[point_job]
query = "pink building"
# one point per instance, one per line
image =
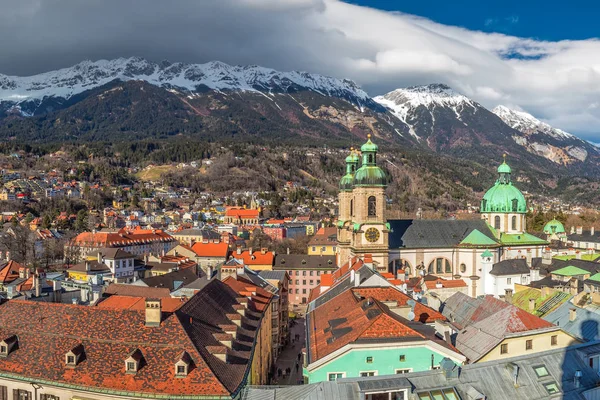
(304, 272)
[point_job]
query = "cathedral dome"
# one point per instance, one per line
(368, 175)
(347, 182)
(369, 146)
(554, 226)
(503, 197)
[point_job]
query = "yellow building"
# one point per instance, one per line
(324, 243)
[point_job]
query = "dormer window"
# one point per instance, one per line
(8, 345)
(182, 366)
(74, 356)
(133, 362)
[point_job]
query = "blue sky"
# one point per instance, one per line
(544, 20)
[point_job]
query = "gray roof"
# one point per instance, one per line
(587, 321)
(510, 267)
(176, 279)
(429, 233)
(493, 379)
(115, 253)
(205, 233)
(304, 261)
(273, 275)
(585, 236)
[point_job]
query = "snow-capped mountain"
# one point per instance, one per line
(540, 138)
(444, 119)
(27, 94)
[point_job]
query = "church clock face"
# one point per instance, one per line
(372, 234)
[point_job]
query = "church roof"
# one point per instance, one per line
(554, 226)
(430, 233)
(476, 238)
(570, 271)
(516, 239)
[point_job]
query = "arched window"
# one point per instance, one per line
(440, 266)
(370, 159)
(400, 264)
(497, 222)
(514, 222)
(515, 204)
(352, 207)
(371, 206)
(463, 268)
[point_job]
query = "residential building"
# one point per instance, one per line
(354, 336)
(139, 242)
(190, 351)
(324, 242)
(260, 260)
(305, 273)
(185, 282)
(9, 271)
(489, 329)
(569, 373)
(280, 281)
(209, 255)
(191, 236)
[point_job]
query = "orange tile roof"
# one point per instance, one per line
(123, 237)
(423, 313)
(345, 319)
(242, 213)
(10, 271)
(168, 304)
(260, 298)
(256, 258)
(137, 291)
(211, 249)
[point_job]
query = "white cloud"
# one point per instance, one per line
(555, 81)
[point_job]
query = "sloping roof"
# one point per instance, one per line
(446, 283)
(95, 267)
(211, 249)
(346, 319)
(422, 233)
(168, 304)
(9, 271)
(586, 325)
(463, 310)
(422, 312)
(520, 239)
(516, 266)
(476, 238)
(136, 291)
(492, 379)
(175, 280)
(108, 336)
(122, 238)
(241, 213)
(256, 257)
(478, 339)
(115, 254)
(570, 271)
(304, 261)
(272, 275)
(542, 305)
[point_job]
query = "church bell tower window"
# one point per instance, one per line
(372, 206)
(497, 222)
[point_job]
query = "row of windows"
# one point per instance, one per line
(21, 394)
(310, 273)
(513, 222)
(529, 344)
(314, 248)
(311, 281)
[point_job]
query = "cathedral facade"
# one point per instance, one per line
(452, 249)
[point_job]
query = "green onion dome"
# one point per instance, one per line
(554, 226)
(347, 181)
(503, 197)
(369, 174)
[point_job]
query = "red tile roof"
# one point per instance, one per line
(211, 249)
(168, 304)
(346, 319)
(241, 213)
(10, 271)
(423, 313)
(446, 284)
(108, 337)
(123, 237)
(255, 258)
(260, 298)
(136, 291)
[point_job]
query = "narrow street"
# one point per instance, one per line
(289, 357)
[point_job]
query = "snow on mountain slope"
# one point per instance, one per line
(65, 83)
(540, 138)
(402, 101)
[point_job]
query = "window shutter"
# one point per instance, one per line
(15, 394)
(3, 393)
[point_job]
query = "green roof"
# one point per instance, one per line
(487, 253)
(503, 197)
(347, 182)
(370, 175)
(504, 168)
(369, 146)
(570, 271)
(586, 257)
(543, 305)
(554, 226)
(520, 239)
(595, 277)
(477, 238)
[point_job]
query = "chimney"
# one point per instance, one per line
(572, 314)
(99, 258)
(528, 258)
(579, 230)
(578, 255)
(547, 256)
(238, 251)
(508, 295)
(531, 304)
(577, 379)
(546, 291)
(572, 230)
(288, 250)
(592, 231)
(37, 285)
(88, 266)
(153, 312)
(250, 251)
(263, 251)
(438, 284)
